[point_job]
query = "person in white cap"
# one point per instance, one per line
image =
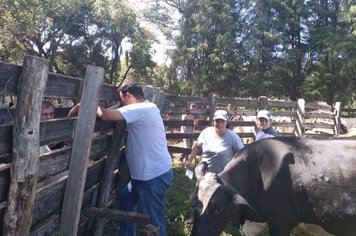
(264, 118)
(217, 144)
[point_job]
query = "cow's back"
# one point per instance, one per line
(289, 180)
(324, 182)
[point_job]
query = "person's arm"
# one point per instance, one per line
(109, 115)
(195, 151)
(74, 111)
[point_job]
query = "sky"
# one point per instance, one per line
(159, 49)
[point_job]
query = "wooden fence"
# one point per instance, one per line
(69, 190)
(289, 118)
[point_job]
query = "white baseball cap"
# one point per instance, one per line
(221, 114)
(264, 114)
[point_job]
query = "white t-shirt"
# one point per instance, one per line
(217, 152)
(146, 148)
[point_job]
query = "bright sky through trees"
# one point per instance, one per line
(160, 47)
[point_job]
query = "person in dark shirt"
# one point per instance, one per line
(264, 118)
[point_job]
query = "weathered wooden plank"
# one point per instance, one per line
(4, 181)
(9, 77)
(184, 100)
(25, 164)
(58, 86)
(63, 86)
(5, 139)
(284, 113)
(118, 215)
(241, 102)
(182, 135)
(53, 163)
(284, 124)
(309, 115)
(7, 115)
(49, 226)
(60, 112)
(318, 125)
(50, 194)
(55, 130)
(94, 174)
(108, 92)
(313, 106)
(81, 151)
(242, 112)
(282, 104)
(174, 149)
(117, 141)
(180, 111)
(242, 123)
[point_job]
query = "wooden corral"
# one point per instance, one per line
(69, 190)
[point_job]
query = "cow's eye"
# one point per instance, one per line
(214, 210)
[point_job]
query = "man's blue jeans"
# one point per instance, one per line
(151, 195)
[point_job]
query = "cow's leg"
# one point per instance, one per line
(280, 229)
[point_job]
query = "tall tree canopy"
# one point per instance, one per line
(71, 34)
(280, 48)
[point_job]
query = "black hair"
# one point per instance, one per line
(47, 104)
(132, 88)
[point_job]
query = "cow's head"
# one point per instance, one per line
(214, 205)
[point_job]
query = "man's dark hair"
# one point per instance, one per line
(47, 104)
(134, 89)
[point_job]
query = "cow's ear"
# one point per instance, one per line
(201, 170)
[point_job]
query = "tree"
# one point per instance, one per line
(39, 27)
(207, 57)
(333, 52)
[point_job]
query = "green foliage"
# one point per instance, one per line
(273, 48)
(72, 34)
(278, 48)
(178, 206)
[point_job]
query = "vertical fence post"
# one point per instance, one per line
(262, 102)
(337, 112)
(300, 117)
(213, 105)
(25, 164)
(73, 196)
(112, 159)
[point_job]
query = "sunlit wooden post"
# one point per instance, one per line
(213, 105)
(262, 103)
(337, 112)
(73, 196)
(300, 117)
(25, 154)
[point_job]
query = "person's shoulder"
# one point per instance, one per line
(207, 130)
(272, 131)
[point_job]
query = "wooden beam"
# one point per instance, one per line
(117, 141)
(25, 150)
(118, 215)
(81, 150)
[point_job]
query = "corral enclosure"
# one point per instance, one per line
(66, 188)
